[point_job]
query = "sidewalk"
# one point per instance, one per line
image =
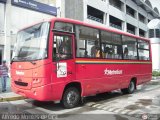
(9, 95)
(8, 84)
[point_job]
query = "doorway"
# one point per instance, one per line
(0, 57)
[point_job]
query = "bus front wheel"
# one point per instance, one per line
(71, 98)
(130, 89)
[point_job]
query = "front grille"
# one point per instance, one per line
(21, 83)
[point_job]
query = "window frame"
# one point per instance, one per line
(74, 50)
(136, 47)
(57, 33)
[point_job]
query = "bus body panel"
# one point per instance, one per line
(94, 75)
(108, 75)
(32, 80)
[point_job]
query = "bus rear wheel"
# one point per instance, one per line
(130, 89)
(71, 98)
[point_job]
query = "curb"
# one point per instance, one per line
(155, 78)
(12, 98)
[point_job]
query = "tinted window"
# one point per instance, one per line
(129, 48)
(111, 45)
(151, 33)
(66, 27)
(143, 54)
(143, 50)
(143, 44)
(62, 47)
(157, 33)
(88, 44)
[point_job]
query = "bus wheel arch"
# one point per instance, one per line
(71, 95)
(131, 87)
(134, 79)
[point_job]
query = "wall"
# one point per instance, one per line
(17, 17)
(74, 9)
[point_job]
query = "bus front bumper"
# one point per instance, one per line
(38, 93)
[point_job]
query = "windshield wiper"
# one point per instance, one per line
(24, 59)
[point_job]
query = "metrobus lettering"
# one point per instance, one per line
(112, 72)
(19, 73)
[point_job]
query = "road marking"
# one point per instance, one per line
(131, 113)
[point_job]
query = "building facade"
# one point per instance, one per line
(127, 15)
(17, 14)
(131, 16)
(154, 36)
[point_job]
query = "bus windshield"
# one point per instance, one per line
(32, 43)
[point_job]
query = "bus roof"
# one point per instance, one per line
(97, 27)
(67, 20)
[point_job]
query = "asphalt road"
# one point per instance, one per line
(143, 104)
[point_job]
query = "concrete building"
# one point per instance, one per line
(154, 35)
(127, 15)
(16, 14)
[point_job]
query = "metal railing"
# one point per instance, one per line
(116, 26)
(95, 18)
(130, 31)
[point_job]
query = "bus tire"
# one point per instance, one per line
(130, 89)
(71, 98)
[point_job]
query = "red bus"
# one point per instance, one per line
(66, 60)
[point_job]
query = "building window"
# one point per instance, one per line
(95, 14)
(141, 18)
(151, 33)
(115, 22)
(131, 29)
(130, 11)
(117, 3)
(142, 33)
(157, 33)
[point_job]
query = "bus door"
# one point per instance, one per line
(63, 54)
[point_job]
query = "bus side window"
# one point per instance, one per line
(87, 41)
(126, 53)
(62, 47)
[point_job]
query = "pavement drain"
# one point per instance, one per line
(133, 107)
(144, 102)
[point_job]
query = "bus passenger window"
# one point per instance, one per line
(126, 53)
(62, 47)
(143, 50)
(87, 42)
(95, 50)
(129, 48)
(86, 54)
